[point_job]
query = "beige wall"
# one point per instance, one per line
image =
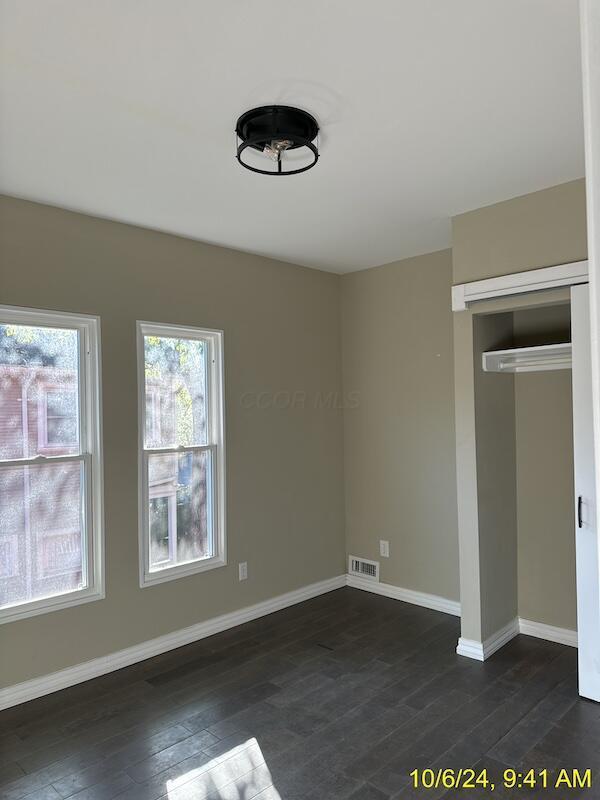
(536, 230)
(544, 457)
(496, 476)
(394, 318)
(284, 465)
(399, 437)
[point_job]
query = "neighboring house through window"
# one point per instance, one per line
(50, 462)
(57, 416)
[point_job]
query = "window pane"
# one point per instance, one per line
(179, 497)
(41, 531)
(39, 403)
(61, 417)
(175, 377)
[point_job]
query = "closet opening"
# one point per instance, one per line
(524, 419)
(526, 477)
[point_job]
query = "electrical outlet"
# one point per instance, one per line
(243, 570)
(384, 548)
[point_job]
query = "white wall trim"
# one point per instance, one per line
(533, 280)
(590, 51)
(470, 648)
(548, 632)
(37, 687)
(481, 651)
(432, 601)
(589, 13)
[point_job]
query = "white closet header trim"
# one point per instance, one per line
(534, 280)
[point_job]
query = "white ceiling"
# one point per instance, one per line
(126, 109)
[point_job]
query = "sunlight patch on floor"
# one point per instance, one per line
(241, 773)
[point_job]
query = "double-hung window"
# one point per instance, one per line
(50, 462)
(182, 459)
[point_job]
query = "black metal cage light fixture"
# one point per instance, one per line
(275, 132)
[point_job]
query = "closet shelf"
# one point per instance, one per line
(528, 359)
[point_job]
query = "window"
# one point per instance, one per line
(50, 462)
(182, 460)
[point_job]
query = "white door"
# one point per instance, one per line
(586, 539)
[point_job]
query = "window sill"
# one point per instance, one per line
(181, 571)
(48, 604)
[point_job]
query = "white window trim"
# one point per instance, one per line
(90, 400)
(215, 380)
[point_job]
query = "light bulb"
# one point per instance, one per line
(276, 148)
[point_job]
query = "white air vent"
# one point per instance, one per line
(363, 568)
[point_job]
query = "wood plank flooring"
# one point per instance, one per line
(338, 697)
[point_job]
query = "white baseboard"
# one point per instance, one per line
(433, 601)
(37, 687)
(480, 651)
(548, 632)
(470, 648)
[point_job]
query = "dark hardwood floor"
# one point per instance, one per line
(339, 697)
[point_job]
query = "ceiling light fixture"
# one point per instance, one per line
(274, 131)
